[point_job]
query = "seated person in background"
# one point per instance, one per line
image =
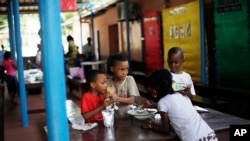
(176, 110)
(125, 86)
(182, 81)
(93, 101)
(80, 58)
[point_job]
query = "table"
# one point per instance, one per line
(33, 78)
(76, 86)
(124, 130)
(130, 130)
(94, 64)
(220, 122)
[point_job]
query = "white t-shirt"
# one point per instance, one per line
(185, 120)
(183, 80)
(128, 88)
(38, 57)
(88, 50)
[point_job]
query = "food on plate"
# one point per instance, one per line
(151, 110)
(140, 111)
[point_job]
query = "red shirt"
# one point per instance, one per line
(89, 102)
(8, 65)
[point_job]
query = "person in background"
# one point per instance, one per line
(2, 54)
(176, 111)
(10, 76)
(125, 86)
(182, 81)
(2, 74)
(93, 101)
(72, 53)
(38, 56)
(88, 50)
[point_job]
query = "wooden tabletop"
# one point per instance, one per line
(130, 129)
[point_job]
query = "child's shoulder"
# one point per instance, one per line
(87, 94)
(183, 73)
(130, 77)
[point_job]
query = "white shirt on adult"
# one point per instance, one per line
(186, 121)
(38, 57)
(88, 50)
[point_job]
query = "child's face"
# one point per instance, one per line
(101, 83)
(120, 70)
(174, 62)
(152, 91)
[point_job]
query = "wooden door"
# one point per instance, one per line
(113, 39)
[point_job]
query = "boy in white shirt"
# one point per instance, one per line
(182, 81)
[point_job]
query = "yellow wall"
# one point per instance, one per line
(181, 27)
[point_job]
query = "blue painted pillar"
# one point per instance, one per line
(53, 69)
(127, 30)
(20, 64)
(11, 29)
(203, 44)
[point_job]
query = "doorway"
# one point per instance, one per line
(113, 39)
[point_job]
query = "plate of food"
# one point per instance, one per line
(142, 114)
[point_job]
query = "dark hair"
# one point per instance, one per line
(161, 80)
(175, 50)
(70, 38)
(114, 58)
(92, 75)
(7, 55)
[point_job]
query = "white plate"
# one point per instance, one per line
(142, 115)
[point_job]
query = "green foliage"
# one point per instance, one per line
(3, 21)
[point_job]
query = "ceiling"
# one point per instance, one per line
(31, 6)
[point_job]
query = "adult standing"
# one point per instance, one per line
(72, 53)
(88, 50)
(2, 54)
(38, 56)
(2, 74)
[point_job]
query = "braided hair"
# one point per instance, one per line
(161, 81)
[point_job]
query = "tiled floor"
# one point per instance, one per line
(13, 129)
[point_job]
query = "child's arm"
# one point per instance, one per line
(164, 127)
(187, 92)
(122, 99)
(93, 112)
(148, 104)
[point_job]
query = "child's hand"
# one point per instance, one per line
(147, 125)
(148, 104)
(115, 98)
(107, 102)
(186, 91)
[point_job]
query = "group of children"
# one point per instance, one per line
(172, 89)
(97, 98)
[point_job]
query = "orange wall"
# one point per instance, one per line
(101, 23)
